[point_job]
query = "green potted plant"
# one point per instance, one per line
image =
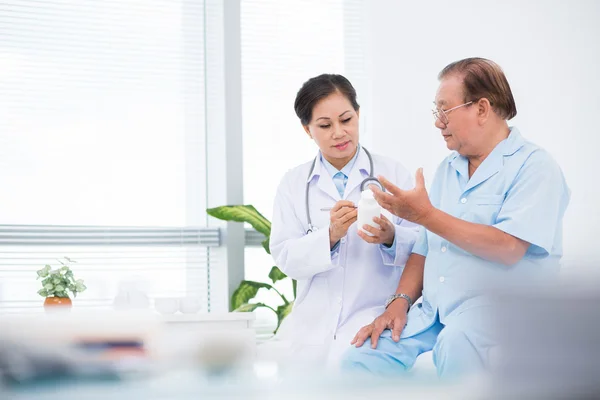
(247, 290)
(58, 283)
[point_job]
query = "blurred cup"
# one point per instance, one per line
(166, 305)
(189, 305)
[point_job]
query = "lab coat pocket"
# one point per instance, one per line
(311, 311)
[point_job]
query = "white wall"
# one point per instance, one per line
(550, 52)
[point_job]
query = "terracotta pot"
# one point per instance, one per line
(58, 302)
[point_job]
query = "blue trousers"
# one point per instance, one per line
(460, 347)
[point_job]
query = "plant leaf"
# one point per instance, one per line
(265, 245)
(42, 273)
(276, 274)
(282, 312)
(249, 307)
(294, 284)
(245, 292)
(242, 213)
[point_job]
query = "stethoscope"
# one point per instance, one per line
(370, 178)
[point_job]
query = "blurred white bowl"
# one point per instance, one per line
(190, 305)
(166, 305)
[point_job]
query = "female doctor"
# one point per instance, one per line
(344, 275)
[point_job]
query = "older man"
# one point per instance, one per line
(493, 218)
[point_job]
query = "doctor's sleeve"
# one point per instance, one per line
(298, 254)
(535, 204)
(404, 240)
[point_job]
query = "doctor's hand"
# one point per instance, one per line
(394, 318)
(384, 235)
(411, 205)
(342, 215)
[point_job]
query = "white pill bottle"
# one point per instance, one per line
(368, 208)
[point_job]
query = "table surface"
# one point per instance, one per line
(195, 384)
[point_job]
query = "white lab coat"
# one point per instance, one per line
(340, 292)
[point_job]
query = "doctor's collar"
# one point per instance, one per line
(359, 160)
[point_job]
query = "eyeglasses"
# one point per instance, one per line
(442, 115)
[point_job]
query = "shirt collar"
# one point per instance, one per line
(513, 142)
(330, 168)
(507, 147)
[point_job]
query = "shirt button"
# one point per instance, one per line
(442, 279)
(339, 300)
(444, 249)
(343, 240)
(463, 200)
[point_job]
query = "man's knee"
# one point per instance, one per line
(380, 361)
(355, 359)
(455, 353)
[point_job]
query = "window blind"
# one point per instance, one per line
(102, 140)
(157, 262)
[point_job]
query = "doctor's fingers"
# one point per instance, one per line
(383, 222)
(340, 204)
(341, 212)
(369, 239)
(348, 218)
(383, 218)
(372, 230)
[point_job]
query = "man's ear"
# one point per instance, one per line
(484, 109)
(307, 130)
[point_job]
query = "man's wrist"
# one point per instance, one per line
(406, 299)
(427, 217)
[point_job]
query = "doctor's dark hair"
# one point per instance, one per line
(484, 79)
(319, 87)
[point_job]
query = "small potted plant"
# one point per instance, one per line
(57, 283)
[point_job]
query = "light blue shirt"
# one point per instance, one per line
(340, 179)
(519, 189)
